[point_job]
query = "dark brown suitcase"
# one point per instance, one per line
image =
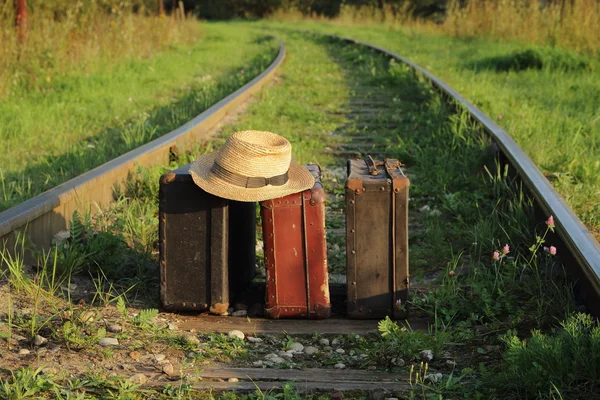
(376, 238)
(296, 254)
(206, 245)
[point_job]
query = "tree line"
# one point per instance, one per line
(225, 9)
(220, 9)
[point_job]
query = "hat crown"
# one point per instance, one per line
(255, 154)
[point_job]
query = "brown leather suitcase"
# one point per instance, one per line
(376, 239)
(296, 254)
(206, 245)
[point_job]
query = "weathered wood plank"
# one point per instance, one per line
(298, 375)
(303, 387)
(357, 145)
(212, 323)
(333, 326)
(359, 125)
(372, 152)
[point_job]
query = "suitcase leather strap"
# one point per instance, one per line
(371, 165)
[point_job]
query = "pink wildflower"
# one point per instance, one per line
(551, 250)
(451, 273)
(398, 304)
(506, 249)
(496, 256)
(550, 222)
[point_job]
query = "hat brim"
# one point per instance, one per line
(299, 179)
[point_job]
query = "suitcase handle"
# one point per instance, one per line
(371, 165)
(392, 165)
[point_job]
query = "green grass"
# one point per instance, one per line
(547, 99)
(77, 121)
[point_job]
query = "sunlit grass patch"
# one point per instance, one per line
(88, 119)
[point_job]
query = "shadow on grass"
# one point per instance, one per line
(533, 58)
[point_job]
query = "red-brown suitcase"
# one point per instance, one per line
(376, 238)
(296, 254)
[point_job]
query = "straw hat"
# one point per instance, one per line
(251, 166)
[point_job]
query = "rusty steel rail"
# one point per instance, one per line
(50, 212)
(578, 240)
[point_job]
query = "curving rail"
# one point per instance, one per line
(578, 240)
(46, 214)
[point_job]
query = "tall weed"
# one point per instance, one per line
(79, 40)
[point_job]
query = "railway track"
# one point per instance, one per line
(370, 130)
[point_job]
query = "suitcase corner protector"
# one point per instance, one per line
(219, 308)
(167, 178)
(355, 185)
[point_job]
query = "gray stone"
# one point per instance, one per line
(49, 371)
(114, 328)
(435, 213)
(434, 378)
(237, 334)
(168, 368)
(24, 352)
(87, 316)
(254, 339)
(327, 348)
(310, 350)
(19, 338)
(54, 347)
(239, 313)
(129, 367)
(274, 358)
(39, 340)
(171, 326)
(233, 380)
(372, 367)
(107, 341)
(379, 394)
(324, 342)
(340, 351)
(285, 354)
(398, 362)
(426, 355)
(425, 208)
(191, 339)
(138, 379)
(258, 363)
(298, 347)
(335, 342)
(159, 357)
(392, 398)
(339, 366)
